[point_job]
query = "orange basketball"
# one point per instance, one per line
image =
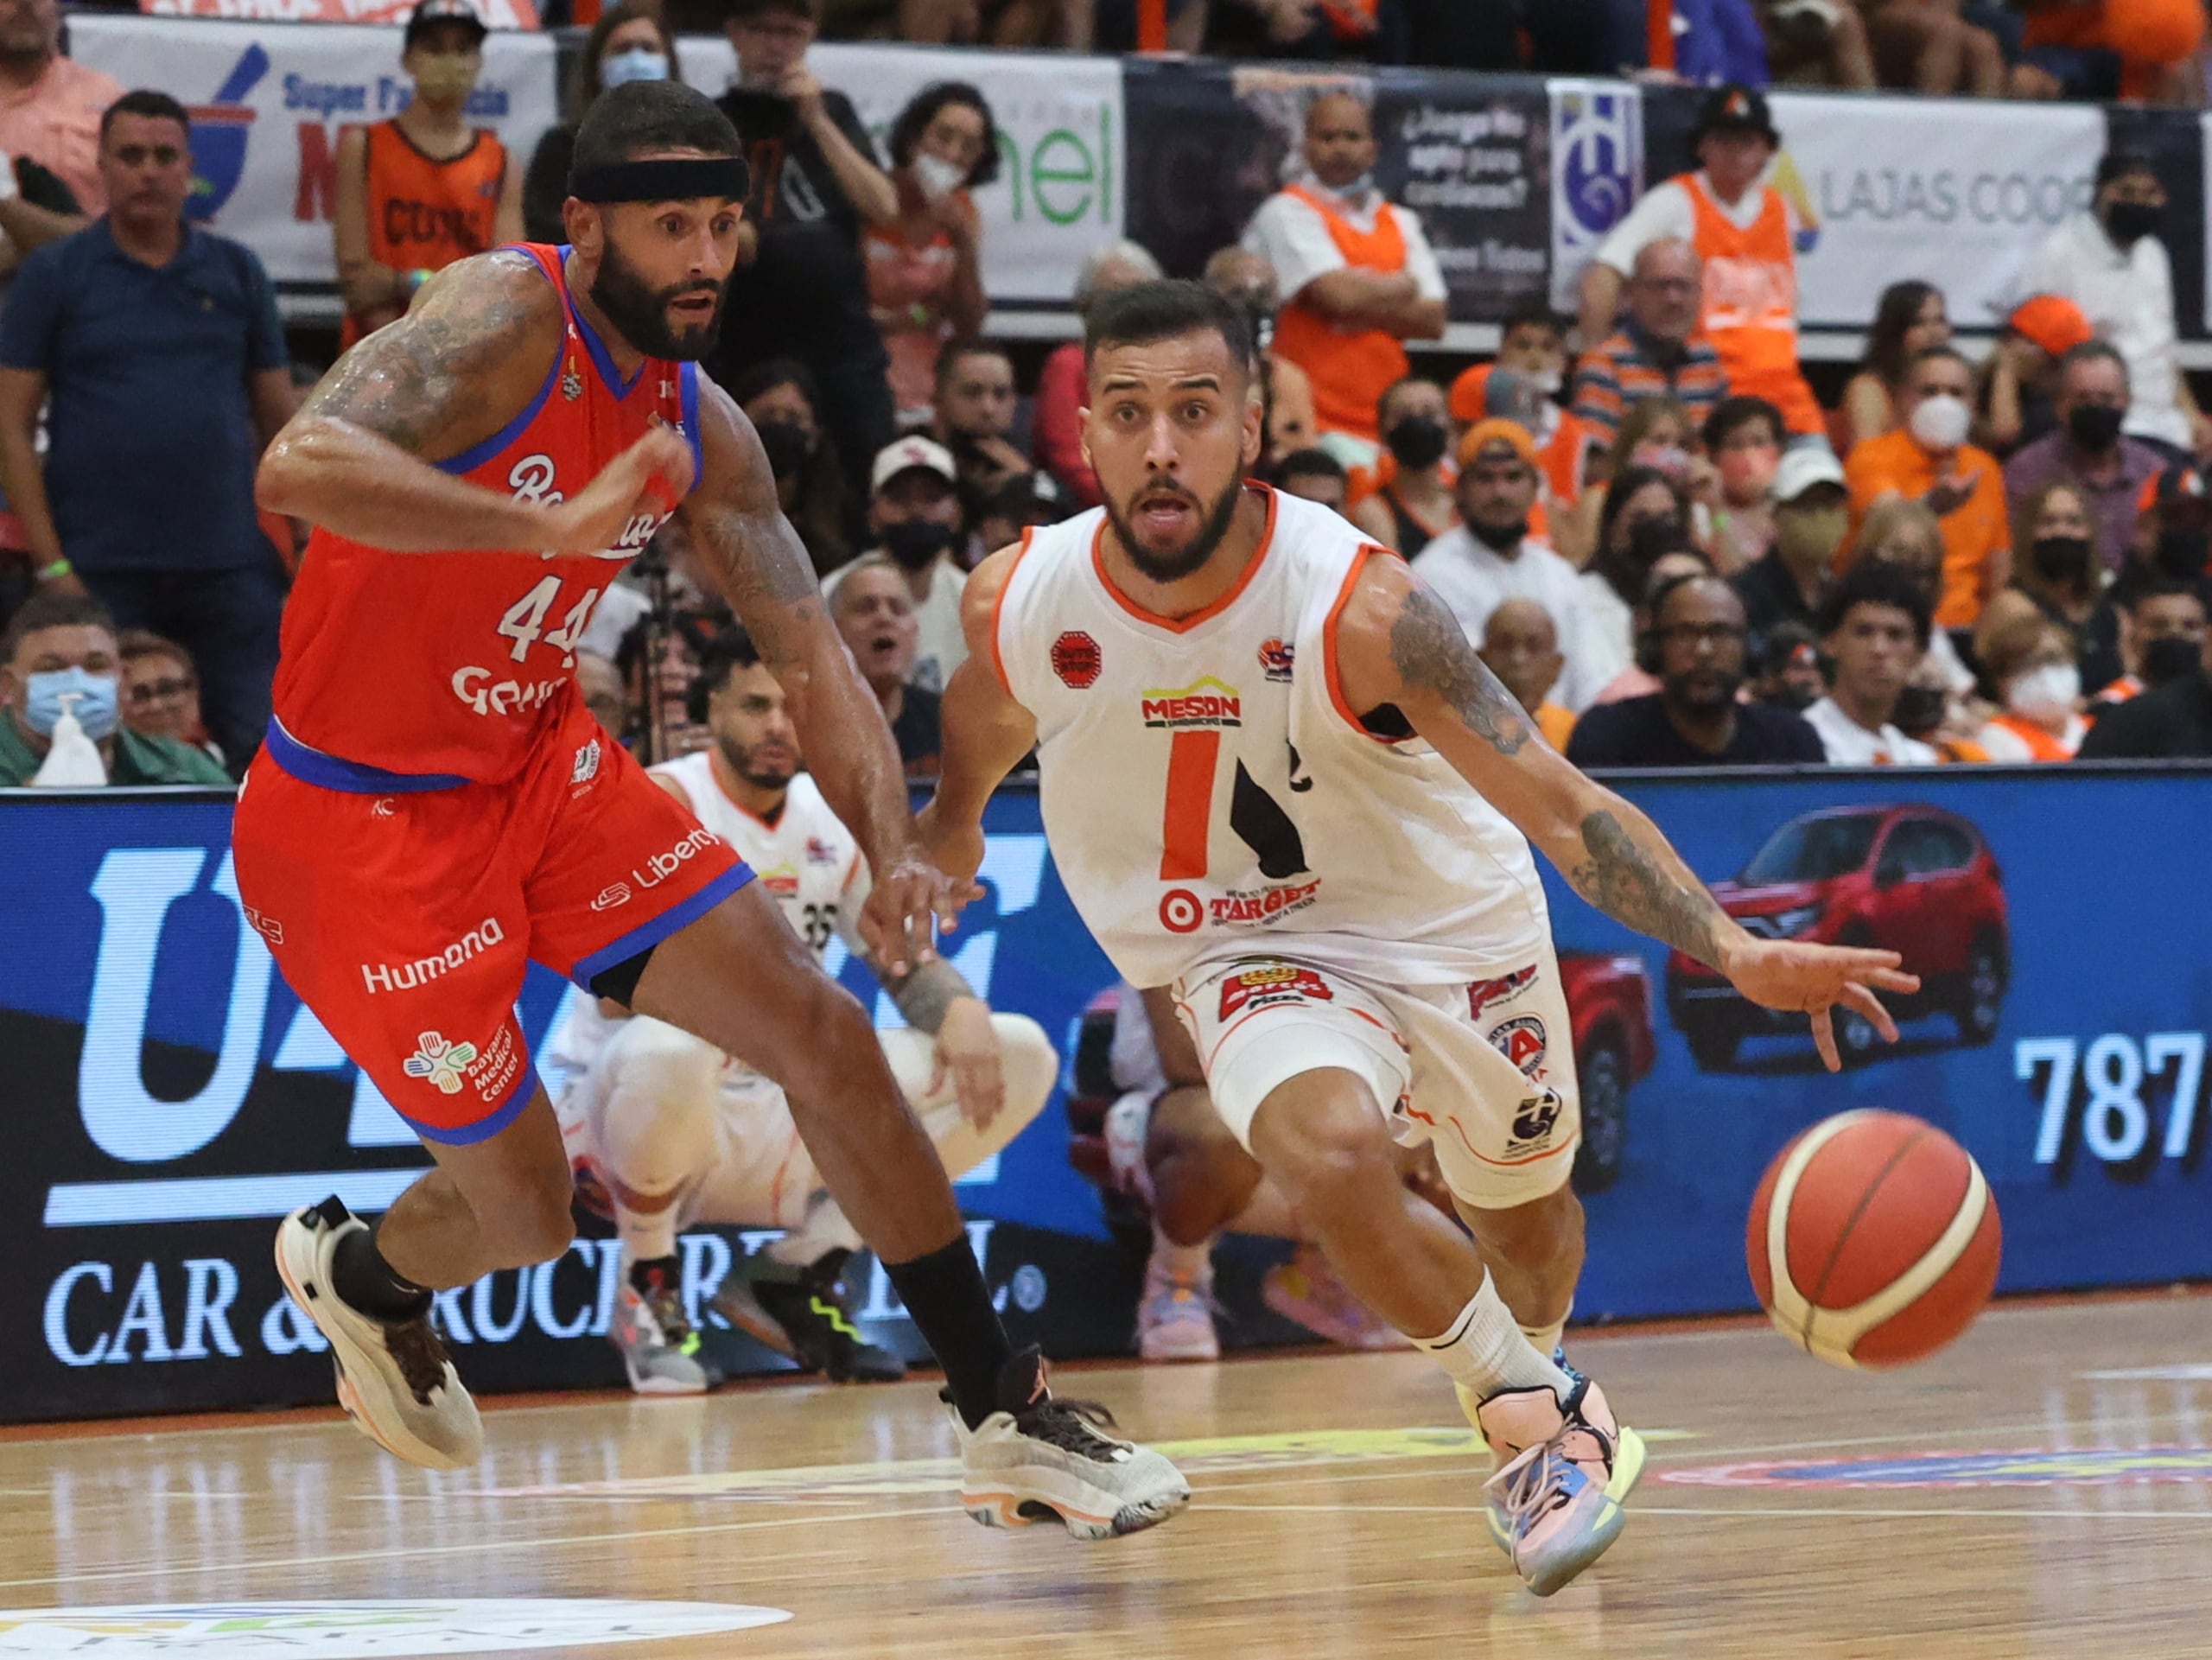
(1873, 1240)
(2154, 31)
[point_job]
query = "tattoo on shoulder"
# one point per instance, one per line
(1620, 878)
(414, 379)
(1430, 652)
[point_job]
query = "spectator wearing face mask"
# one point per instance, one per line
(424, 188)
(873, 607)
(1645, 515)
(2088, 449)
(1316, 475)
(1908, 318)
(629, 42)
(1930, 460)
(60, 652)
(1789, 669)
(1693, 645)
(1874, 626)
(160, 691)
(1743, 440)
(2111, 262)
(2015, 387)
(1412, 502)
(781, 400)
(926, 271)
(1520, 645)
(2162, 630)
(1489, 557)
(1531, 388)
(2031, 661)
(1056, 417)
(1811, 519)
(914, 511)
(2059, 577)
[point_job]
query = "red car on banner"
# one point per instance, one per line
(1914, 879)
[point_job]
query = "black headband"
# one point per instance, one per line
(676, 179)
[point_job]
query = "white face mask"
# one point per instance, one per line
(938, 177)
(1941, 422)
(633, 63)
(2046, 694)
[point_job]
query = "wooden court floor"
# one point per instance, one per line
(2044, 1490)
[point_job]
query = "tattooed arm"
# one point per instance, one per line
(1398, 645)
(749, 548)
(361, 456)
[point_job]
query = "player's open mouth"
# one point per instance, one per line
(693, 308)
(1164, 513)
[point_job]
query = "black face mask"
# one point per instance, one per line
(2170, 657)
(1418, 442)
(913, 545)
(1501, 538)
(2182, 554)
(1791, 695)
(789, 445)
(2095, 427)
(1919, 710)
(2062, 559)
(1650, 540)
(2128, 222)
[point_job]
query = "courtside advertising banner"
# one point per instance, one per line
(268, 102)
(1062, 185)
(499, 14)
(1597, 166)
(169, 1099)
(1954, 193)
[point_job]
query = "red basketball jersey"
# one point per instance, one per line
(447, 667)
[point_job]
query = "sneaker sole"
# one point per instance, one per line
(649, 1384)
(1006, 1509)
(1193, 1348)
(1558, 1572)
(418, 1453)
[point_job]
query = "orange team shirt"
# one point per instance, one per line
(1975, 532)
(1350, 369)
(425, 213)
(1750, 302)
(454, 664)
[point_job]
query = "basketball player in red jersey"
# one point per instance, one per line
(1275, 777)
(433, 806)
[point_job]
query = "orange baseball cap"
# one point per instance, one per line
(2051, 322)
(1470, 394)
(1486, 435)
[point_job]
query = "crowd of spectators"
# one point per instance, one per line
(1668, 548)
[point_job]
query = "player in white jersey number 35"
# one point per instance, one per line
(1277, 779)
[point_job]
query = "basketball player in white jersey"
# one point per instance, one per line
(1277, 779)
(665, 1130)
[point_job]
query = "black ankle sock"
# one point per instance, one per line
(943, 1292)
(365, 1280)
(647, 1270)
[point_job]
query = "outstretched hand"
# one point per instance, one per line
(911, 897)
(1814, 979)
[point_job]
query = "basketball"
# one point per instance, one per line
(1873, 1240)
(2154, 31)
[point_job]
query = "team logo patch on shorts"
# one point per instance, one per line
(1283, 983)
(439, 1063)
(1522, 1042)
(1077, 660)
(1503, 989)
(1533, 1124)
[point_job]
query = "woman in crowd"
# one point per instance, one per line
(1743, 439)
(1908, 318)
(1414, 504)
(1645, 517)
(925, 272)
(629, 42)
(2031, 662)
(160, 691)
(1656, 435)
(2056, 575)
(1900, 532)
(780, 399)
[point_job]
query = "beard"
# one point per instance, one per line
(773, 775)
(639, 311)
(1172, 564)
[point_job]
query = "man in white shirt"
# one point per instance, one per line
(1357, 274)
(1489, 557)
(914, 511)
(1874, 625)
(2110, 261)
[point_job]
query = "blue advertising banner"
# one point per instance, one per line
(170, 1098)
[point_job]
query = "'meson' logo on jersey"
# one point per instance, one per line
(1208, 703)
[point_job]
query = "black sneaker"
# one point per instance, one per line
(809, 1317)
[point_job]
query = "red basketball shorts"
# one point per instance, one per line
(403, 910)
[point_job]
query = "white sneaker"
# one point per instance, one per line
(396, 1380)
(1038, 1459)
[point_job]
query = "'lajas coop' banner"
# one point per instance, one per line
(167, 1097)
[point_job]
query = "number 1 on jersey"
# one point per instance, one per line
(1188, 827)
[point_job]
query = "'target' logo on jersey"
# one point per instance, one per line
(1210, 703)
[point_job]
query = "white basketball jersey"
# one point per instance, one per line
(807, 859)
(1205, 788)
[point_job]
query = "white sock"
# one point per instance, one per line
(1486, 1352)
(1184, 1262)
